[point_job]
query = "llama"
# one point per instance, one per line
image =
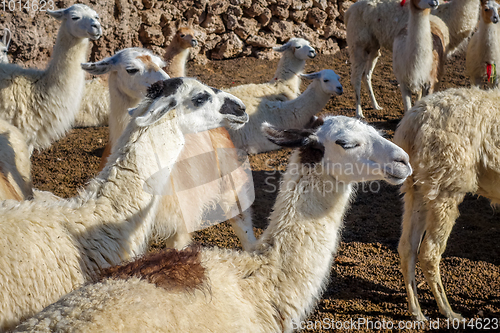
(46, 101)
(452, 140)
(177, 52)
(4, 46)
(374, 24)
(15, 164)
(295, 113)
(270, 289)
(418, 52)
(96, 104)
(483, 52)
(131, 72)
(52, 247)
(285, 85)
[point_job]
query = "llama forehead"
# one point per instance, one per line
(185, 31)
(345, 128)
(149, 62)
(81, 9)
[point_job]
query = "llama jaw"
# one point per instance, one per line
(237, 122)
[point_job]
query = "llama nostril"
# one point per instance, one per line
(312, 54)
(231, 107)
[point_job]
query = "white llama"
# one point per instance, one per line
(418, 52)
(452, 140)
(483, 52)
(270, 289)
(52, 247)
(43, 103)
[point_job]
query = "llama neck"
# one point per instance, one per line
(176, 57)
(64, 75)
(301, 239)
(119, 103)
(289, 68)
(487, 33)
(117, 209)
(297, 112)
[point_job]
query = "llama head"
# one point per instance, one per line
(198, 107)
(346, 148)
(80, 21)
(135, 70)
(185, 35)
(299, 47)
(4, 46)
(425, 4)
(328, 80)
(489, 11)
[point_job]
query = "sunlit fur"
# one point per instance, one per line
(43, 103)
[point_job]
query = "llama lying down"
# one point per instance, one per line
(267, 290)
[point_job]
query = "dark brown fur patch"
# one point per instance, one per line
(164, 88)
(312, 153)
(168, 269)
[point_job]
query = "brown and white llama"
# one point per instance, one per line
(177, 52)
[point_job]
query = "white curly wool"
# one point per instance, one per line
(43, 103)
(270, 289)
(452, 138)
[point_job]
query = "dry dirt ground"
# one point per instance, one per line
(365, 282)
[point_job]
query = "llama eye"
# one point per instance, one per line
(182, 35)
(297, 47)
(347, 145)
(132, 71)
(200, 99)
(326, 80)
(75, 18)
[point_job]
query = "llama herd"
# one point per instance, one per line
(82, 264)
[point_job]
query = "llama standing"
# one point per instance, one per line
(43, 103)
(452, 138)
(483, 52)
(269, 290)
(4, 46)
(418, 52)
(374, 24)
(177, 52)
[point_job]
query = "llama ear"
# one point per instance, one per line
(311, 76)
(283, 47)
(98, 68)
(288, 138)
(190, 22)
(159, 108)
(6, 37)
(57, 14)
(178, 24)
(315, 122)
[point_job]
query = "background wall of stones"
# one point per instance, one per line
(227, 28)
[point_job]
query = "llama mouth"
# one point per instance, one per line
(95, 36)
(394, 179)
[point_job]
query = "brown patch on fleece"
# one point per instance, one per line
(168, 269)
(148, 62)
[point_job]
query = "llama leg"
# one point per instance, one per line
(441, 217)
(243, 228)
(411, 236)
(104, 157)
(180, 239)
(370, 64)
(406, 93)
(358, 61)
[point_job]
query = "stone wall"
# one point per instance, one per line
(228, 28)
